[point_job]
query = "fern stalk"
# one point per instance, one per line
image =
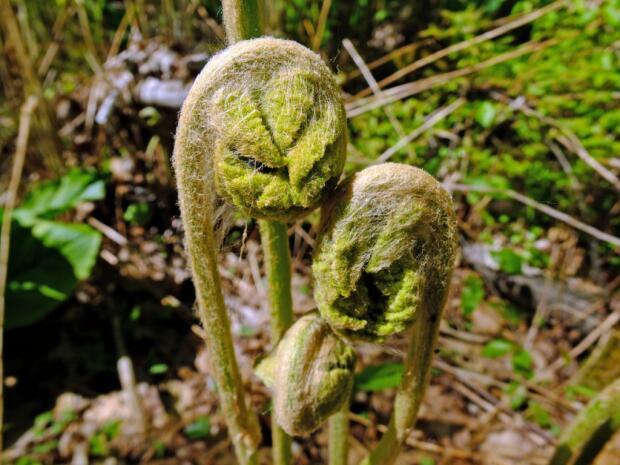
(243, 20)
(274, 239)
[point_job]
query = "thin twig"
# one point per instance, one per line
(409, 89)
(5, 236)
(571, 142)
(568, 138)
(421, 445)
(430, 121)
(409, 48)
(108, 231)
(606, 325)
(370, 79)
(493, 33)
(552, 212)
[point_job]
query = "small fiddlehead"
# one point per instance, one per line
(386, 248)
(274, 125)
(310, 373)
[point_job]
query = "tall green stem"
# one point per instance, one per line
(418, 363)
(338, 447)
(274, 238)
(243, 20)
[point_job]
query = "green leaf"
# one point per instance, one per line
(379, 377)
(497, 348)
(99, 445)
(508, 260)
(485, 114)
(579, 390)
(518, 395)
(78, 243)
(199, 429)
(472, 294)
(138, 213)
(45, 264)
(39, 279)
(427, 461)
(158, 369)
(160, 449)
(52, 198)
(27, 461)
(539, 415)
(48, 258)
(111, 429)
(522, 363)
(45, 447)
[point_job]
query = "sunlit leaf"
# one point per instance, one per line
(379, 377)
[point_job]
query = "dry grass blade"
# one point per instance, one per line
(606, 325)
(568, 138)
(429, 122)
(46, 138)
(501, 30)
(572, 143)
(409, 48)
(546, 209)
(361, 64)
(317, 38)
(394, 94)
(5, 237)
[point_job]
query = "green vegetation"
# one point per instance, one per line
(48, 257)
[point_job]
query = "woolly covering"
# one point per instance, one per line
(310, 373)
(272, 125)
(386, 246)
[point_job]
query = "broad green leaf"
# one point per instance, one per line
(472, 295)
(496, 348)
(51, 198)
(199, 429)
(508, 260)
(522, 363)
(78, 243)
(485, 114)
(39, 279)
(379, 377)
(48, 258)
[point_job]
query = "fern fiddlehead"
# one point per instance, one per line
(383, 263)
(278, 128)
(310, 373)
